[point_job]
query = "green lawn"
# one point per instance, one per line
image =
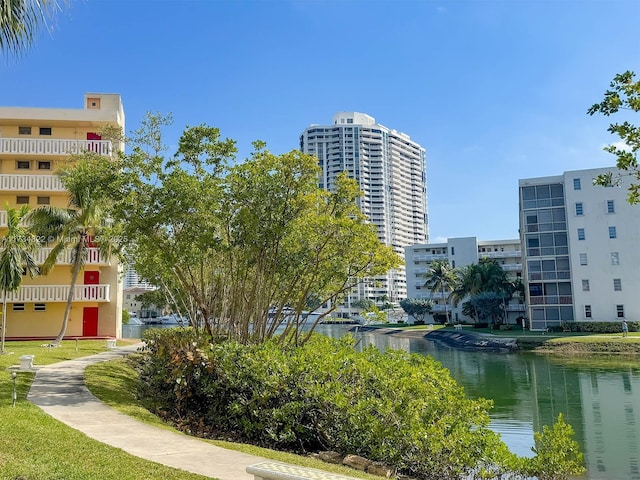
(34, 446)
(114, 383)
(633, 337)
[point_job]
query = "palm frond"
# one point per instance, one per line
(20, 21)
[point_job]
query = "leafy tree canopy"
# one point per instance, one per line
(623, 94)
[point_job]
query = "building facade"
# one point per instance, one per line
(580, 249)
(390, 169)
(34, 144)
(460, 252)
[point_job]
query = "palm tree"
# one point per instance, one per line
(20, 21)
(74, 228)
(440, 278)
(18, 248)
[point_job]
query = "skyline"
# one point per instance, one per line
(494, 91)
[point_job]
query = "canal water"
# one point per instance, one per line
(599, 397)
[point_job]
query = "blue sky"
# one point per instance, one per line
(494, 90)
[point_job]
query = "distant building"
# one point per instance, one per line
(133, 304)
(580, 249)
(460, 252)
(390, 169)
(133, 280)
(34, 144)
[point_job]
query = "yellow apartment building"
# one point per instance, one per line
(34, 143)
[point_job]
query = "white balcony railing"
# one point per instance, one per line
(430, 257)
(59, 293)
(503, 254)
(39, 146)
(65, 257)
(25, 183)
(511, 267)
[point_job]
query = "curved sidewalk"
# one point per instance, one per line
(60, 391)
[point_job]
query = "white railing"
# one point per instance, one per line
(40, 183)
(38, 146)
(510, 267)
(430, 257)
(59, 293)
(503, 254)
(65, 257)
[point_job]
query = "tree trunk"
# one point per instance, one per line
(4, 320)
(74, 279)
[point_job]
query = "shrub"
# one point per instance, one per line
(402, 409)
(599, 327)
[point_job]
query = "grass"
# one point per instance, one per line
(34, 446)
(633, 337)
(114, 383)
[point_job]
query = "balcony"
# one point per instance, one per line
(58, 147)
(512, 267)
(503, 254)
(30, 183)
(430, 258)
(59, 293)
(551, 300)
(93, 257)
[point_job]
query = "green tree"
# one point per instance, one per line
(487, 276)
(240, 247)
(623, 94)
(558, 455)
(19, 246)
(20, 20)
(86, 222)
(489, 306)
(441, 278)
(417, 308)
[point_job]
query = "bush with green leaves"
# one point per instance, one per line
(597, 327)
(401, 409)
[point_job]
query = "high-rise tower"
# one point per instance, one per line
(391, 171)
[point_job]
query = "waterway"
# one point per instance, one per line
(599, 397)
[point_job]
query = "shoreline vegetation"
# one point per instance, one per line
(538, 342)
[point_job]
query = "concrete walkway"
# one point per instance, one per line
(60, 391)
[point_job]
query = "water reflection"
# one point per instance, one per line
(602, 403)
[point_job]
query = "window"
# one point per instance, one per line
(581, 234)
(453, 251)
(44, 165)
(43, 200)
(22, 200)
(24, 130)
(620, 311)
(579, 209)
(611, 207)
(587, 311)
(576, 184)
(23, 165)
(45, 130)
(612, 232)
(18, 307)
(615, 259)
(585, 285)
(583, 259)
(39, 307)
(617, 285)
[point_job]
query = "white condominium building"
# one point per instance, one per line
(390, 169)
(460, 252)
(580, 249)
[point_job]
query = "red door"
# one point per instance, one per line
(93, 146)
(90, 322)
(91, 277)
